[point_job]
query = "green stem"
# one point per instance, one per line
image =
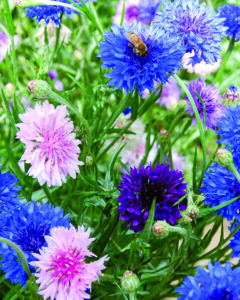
(19, 252)
(132, 296)
(225, 59)
(199, 122)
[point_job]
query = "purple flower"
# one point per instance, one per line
(139, 189)
(5, 44)
(210, 96)
(51, 147)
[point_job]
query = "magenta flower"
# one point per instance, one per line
(61, 268)
(51, 147)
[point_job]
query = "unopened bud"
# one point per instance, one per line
(232, 95)
(185, 218)
(89, 160)
(192, 211)
(224, 157)
(160, 229)
(130, 281)
(9, 87)
(164, 133)
(39, 88)
(78, 54)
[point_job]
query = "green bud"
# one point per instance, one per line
(164, 133)
(192, 211)
(160, 229)
(224, 158)
(130, 281)
(185, 218)
(9, 88)
(89, 161)
(39, 88)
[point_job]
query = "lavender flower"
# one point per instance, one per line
(143, 185)
(5, 44)
(210, 96)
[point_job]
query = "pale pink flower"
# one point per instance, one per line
(201, 68)
(61, 268)
(51, 147)
(5, 44)
(170, 94)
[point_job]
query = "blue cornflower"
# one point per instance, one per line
(126, 111)
(147, 10)
(8, 191)
(210, 96)
(218, 283)
(139, 189)
(195, 26)
(229, 129)
(220, 186)
(52, 12)
(26, 227)
(130, 69)
(231, 13)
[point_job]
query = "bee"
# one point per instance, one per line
(139, 46)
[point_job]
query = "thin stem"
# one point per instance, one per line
(20, 253)
(199, 122)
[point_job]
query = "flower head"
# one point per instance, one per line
(195, 26)
(5, 44)
(51, 147)
(130, 69)
(62, 270)
(201, 68)
(8, 191)
(139, 10)
(218, 283)
(210, 96)
(52, 12)
(220, 186)
(231, 14)
(139, 189)
(229, 129)
(27, 227)
(232, 95)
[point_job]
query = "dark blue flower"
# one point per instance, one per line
(210, 96)
(229, 129)
(8, 191)
(231, 13)
(126, 111)
(131, 69)
(218, 283)
(52, 12)
(139, 189)
(26, 226)
(220, 186)
(147, 10)
(195, 26)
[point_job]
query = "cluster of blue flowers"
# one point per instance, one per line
(26, 225)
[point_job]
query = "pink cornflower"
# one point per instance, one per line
(51, 147)
(61, 268)
(201, 68)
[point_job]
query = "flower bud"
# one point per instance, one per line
(160, 229)
(130, 281)
(39, 88)
(192, 211)
(164, 133)
(224, 158)
(232, 96)
(9, 87)
(185, 218)
(89, 161)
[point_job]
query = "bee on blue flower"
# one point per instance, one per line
(195, 26)
(139, 56)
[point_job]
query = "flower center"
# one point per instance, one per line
(66, 265)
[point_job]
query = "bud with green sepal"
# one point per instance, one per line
(225, 159)
(39, 88)
(130, 282)
(192, 210)
(161, 229)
